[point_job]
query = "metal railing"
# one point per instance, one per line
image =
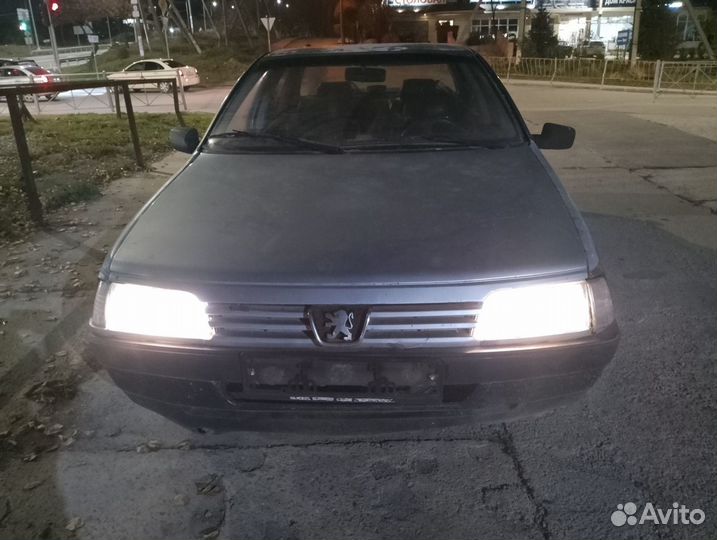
(15, 98)
(660, 76)
(99, 99)
(695, 76)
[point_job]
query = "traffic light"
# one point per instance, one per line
(55, 7)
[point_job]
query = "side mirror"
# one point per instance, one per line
(184, 139)
(555, 137)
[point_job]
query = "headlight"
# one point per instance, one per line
(150, 311)
(537, 311)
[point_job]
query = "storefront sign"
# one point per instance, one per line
(415, 3)
(623, 38)
(618, 3)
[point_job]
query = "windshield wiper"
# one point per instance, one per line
(294, 141)
(456, 141)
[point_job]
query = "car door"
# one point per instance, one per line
(154, 70)
(14, 75)
(133, 71)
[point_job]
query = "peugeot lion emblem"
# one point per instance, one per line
(339, 326)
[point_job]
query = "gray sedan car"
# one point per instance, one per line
(366, 231)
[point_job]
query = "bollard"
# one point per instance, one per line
(175, 98)
(118, 109)
(604, 70)
(657, 80)
(132, 125)
(29, 188)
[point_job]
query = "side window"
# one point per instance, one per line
(17, 73)
(152, 66)
(139, 66)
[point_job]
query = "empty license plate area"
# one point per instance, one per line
(339, 381)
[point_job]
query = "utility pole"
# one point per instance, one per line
(164, 8)
(635, 32)
(34, 26)
(144, 26)
(341, 20)
(137, 30)
(53, 39)
(521, 28)
(224, 22)
(191, 18)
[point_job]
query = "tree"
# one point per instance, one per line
(542, 42)
(658, 32)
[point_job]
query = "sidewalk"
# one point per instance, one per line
(48, 280)
(597, 86)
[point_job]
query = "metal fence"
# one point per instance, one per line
(658, 75)
(15, 98)
(99, 98)
(686, 75)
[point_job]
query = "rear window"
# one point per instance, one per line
(174, 64)
(36, 70)
(368, 101)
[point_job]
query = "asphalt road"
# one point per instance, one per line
(644, 174)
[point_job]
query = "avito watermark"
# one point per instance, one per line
(678, 514)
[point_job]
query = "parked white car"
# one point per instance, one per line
(158, 68)
(15, 74)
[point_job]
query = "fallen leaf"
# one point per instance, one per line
(209, 485)
(74, 524)
(54, 429)
(154, 445)
(32, 485)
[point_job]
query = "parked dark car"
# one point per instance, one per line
(563, 50)
(364, 230)
(591, 49)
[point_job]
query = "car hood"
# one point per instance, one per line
(356, 218)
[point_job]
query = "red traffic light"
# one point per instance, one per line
(55, 7)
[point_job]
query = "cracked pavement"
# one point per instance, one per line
(644, 432)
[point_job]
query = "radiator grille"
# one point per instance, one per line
(387, 325)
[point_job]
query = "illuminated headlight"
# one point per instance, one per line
(150, 311)
(544, 311)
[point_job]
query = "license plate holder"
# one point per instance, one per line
(343, 381)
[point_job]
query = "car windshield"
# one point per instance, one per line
(174, 64)
(360, 102)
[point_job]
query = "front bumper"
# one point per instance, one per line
(220, 388)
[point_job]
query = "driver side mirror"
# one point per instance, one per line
(555, 137)
(184, 139)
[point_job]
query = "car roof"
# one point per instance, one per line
(439, 49)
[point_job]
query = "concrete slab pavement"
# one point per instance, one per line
(645, 432)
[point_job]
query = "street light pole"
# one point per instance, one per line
(191, 18)
(224, 22)
(635, 32)
(521, 28)
(341, 20)
(53, 39)
(34, 26)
